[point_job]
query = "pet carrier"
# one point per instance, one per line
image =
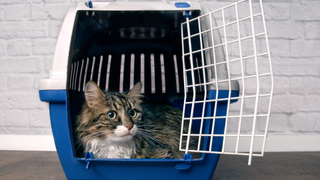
(213, 65)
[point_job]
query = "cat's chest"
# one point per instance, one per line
(106, 149)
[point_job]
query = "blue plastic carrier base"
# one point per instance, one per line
(140, 169)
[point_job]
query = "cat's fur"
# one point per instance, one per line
(153, 131)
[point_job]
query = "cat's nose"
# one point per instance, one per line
(129, 127)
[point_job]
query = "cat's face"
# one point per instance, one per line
(110, 117)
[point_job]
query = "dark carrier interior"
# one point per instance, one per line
(117, 49)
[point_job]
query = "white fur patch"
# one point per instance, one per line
(117, 145)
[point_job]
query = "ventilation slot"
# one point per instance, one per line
(157, 72)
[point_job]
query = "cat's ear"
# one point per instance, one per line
(136, 90)
(94, 96)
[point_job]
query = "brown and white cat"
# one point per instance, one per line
(127, 125)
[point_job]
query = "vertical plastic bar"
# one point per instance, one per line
(108, 72)
(121, 73)
(258, 83)
(176, 73)
(142, 72)
(80, 78)
(153, 78)
(242, 78)
(132, 58)
(92, 68)
(73, 70)
(85, 74)
(76, 76)
(78, 66)
(229, 81)
(204, 82)
(163, 73)
(99, 72)
(271, 76)
(71, 77)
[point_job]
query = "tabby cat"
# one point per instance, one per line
(127, 125)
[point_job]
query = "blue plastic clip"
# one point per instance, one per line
(88, 157)
(187, 157)
(187, 14)
(187, 162)
(90, 14)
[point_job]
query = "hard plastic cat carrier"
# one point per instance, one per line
(213, 65)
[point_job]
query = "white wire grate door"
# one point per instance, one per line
(228, 81)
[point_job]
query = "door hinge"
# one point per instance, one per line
(88, 158)
(186, 164)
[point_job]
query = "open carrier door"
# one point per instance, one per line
(228, 81)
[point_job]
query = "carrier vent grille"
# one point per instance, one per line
(158, 73)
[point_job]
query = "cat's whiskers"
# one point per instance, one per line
(139, 137)
(150, 138)
(147, 130)
(150, 128)
(150, 125)
(147, 125)
(144, 138)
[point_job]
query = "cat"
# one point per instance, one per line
(128, 125)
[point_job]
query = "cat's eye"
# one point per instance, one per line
(112, 114)
(133, 113)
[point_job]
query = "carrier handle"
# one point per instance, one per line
(89, 4)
